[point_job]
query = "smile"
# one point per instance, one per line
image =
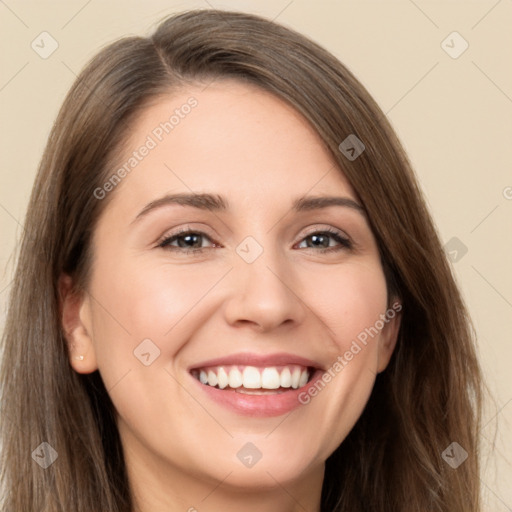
(253, 379)
(257, 385)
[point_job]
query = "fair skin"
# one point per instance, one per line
(180, 444)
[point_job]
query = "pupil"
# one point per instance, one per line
(320, 238)
(187, 239)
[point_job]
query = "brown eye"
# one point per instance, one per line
(186, 240)
(322, 240)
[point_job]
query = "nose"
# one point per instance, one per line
(264, 294)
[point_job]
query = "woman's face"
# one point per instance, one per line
(218, 258)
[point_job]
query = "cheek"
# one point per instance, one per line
(349, 303)
(145, 313)
(349, 300)
(138, 300)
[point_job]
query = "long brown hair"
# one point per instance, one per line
(427, 398)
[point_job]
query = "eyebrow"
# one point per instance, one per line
(215, 202)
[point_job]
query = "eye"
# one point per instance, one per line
(186, 240)
(190, 241)
(322, 240)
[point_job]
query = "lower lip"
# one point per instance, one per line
(258, 405)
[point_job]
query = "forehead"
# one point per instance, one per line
(229, 138)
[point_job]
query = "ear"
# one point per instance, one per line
(389, 335)
(75, 316)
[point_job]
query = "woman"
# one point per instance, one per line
(230, 293)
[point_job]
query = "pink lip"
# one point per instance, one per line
(249, 359)
(258, 405)
(265, 405)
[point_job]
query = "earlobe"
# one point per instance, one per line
(75, 321)
(389, 336)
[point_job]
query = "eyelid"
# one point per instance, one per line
(343, 240)
(331, 230)
(318, 228)
(183, 230)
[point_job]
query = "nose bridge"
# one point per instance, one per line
(262, 291)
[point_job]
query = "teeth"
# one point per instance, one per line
(270, 379)
(223, 378)
(303, 379)
(295, 378)
(212, 378)
(258, 392)
(235, 378)
(250, 377)
(286, 378)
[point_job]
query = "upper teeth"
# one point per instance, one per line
(251, 377)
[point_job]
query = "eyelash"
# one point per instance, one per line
(344, 243)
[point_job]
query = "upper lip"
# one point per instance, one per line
(262, 360)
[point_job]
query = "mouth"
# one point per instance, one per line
(256, 385)
(254, 380)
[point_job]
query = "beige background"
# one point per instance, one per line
(454, 116)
